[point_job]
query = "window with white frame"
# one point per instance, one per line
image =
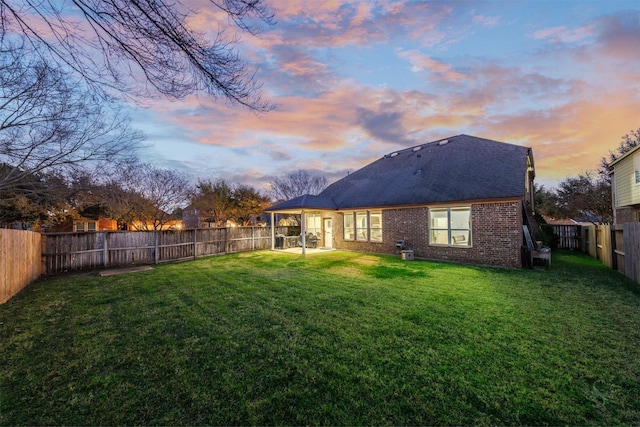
(450, 226)
(313, 224)
(636, 165)
(375, 226)
(349, 227)
(363, 226)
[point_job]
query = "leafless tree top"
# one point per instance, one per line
(115, 45)
(296, 184)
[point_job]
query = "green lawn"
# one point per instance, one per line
(332, 339)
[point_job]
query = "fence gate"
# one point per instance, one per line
(568, 236)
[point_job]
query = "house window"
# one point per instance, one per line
(85, 226)
(363, 226)
(314, 224)
(375, 226)
(636, 164)
(349, 227)
(450, 226)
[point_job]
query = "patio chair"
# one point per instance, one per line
(310, 240)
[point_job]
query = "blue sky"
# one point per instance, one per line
(352, 81)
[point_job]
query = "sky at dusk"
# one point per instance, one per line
(354, 80)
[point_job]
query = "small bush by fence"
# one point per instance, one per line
(83, 251)
(20, 261)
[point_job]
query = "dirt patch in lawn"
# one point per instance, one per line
(114, 271)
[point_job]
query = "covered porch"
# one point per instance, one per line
(316, 225)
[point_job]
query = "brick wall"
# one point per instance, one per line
(496, 235)
(107, 224)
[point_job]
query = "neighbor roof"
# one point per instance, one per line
(455, 169)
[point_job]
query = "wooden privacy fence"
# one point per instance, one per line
(20, 261)
(104, 249)
(616, 246)
(569, 236)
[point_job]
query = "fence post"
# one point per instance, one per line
(614, 256)
(43, 254)
(156, 255)
(631, 236)
(253, 239)
(195, 243)
(105, 249)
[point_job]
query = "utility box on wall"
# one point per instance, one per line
(407, 255)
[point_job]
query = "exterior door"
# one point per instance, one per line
(328, 240)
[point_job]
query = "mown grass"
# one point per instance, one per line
(333, 339)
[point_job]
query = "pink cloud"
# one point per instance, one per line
(421, 62)
(486, 21)
(564, 35)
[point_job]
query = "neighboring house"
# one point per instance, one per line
(172, 224)
(81, 225)
(625, 187)
(192, 218)
(462, 199)
(100, 224)
(582, 221)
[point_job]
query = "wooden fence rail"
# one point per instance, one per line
(84, 251)
(20, 262)
(616, 246)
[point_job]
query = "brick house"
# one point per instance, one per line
(99, 224)
(462, 199)
(625, 186)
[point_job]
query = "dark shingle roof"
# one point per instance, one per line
(306, 201)
(460, 169)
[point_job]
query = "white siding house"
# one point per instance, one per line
(625, 182)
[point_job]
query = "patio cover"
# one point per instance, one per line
(299, 205)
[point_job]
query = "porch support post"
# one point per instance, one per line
(302, 233)
(273, 232)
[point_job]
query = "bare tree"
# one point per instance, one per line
(585, 195)
(146, 196)
(627, 143)
(296, 184)
(49, 124)
(141, 47)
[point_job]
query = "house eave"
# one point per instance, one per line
(429, 204)
(624, 156)
(312, 209)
